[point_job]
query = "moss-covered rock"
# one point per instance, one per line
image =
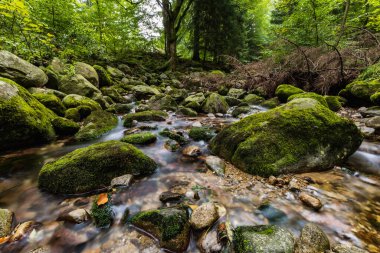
(98, 123)
(93, 167)
(301, 136)
(88, 72)
(201, 133)
(144, 91)
(73, 101)
(215, 103)
(312, 95)
(284, 91)
(185, 111)
(104, 77)
(253, 99)
(24, 120)
(144, 116)
(115, 73)
(114, 94)
(173, 135)
(64, 127)
(120, 108)
(52, 102)
(334, 102)
(231, 101)
(57, 93)
(360, 91)
(177, 94)
(194, 105)
(140, 138)
(197, 98)
(240, 110)
(169, 225)
(103, 214)
(162, 102)
(375, 98)
(236, 93)
(77, 84)
(263, 239)
(73, 114)
(271, 103)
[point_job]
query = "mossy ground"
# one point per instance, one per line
(140, 138)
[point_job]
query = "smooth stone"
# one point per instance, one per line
(216, 164)
(192, 151)
(294, 185)
(312, 240)
(123, 181)
(373, 122)
(76, 216)
(347, 249)
(310, 201)
(21, 231)
(204, 216)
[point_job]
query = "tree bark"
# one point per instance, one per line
(196, 35)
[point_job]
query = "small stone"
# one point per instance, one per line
(123, 181)
(197, 124)
(310, 201)
(216, 164)
(373, 123)
(210, 115)
(219, 115)
(367, 131)
(312, 240)
(6, 218)
(347, 249)
(192, 151)
(170, 197)
(272, 180)
(294, 185)
(204, 216)
(21, 230)
(76, 216)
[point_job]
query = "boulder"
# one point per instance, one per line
(263, 239)
(201, 133)
(312, 240)
(204, 216)
(93, 167)
(253, 99)
(360, 91)
(375, 98)
(301, 136)
(144, 91)
(24, 120)
(231, 101)
(197, 98)
(88, 72)
(236, 93)
(115, 73)
(271, 103)
(174, 135)
(162, 102)
(52, 102)
(20, 71)
(185, 111)
(169, 225)
(312, 95)
(374, 123)
(215, 103)
(65, 127)
(104, 76)
(335, 103)
(284, 91)
(140, 138)
(77, 84)
(114, 94)
(240, 110)
(57, 93)
(177, 94)
(144, 116)
(73, 101)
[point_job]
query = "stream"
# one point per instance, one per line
(351, 211)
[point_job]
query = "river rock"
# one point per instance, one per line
(311, 95)
(301, 136)
(370, 112)
(52, 102)
(171, 145)
(124, 181)
(284, 91)
(144, 138)
(201, 133)
(20, 71)
(236, 93)
(77, 84)
(76, 216)
(6, 219)
(144, 117)
(169, 196)
(21, 230)
(360, 91)
(253, 99)
(65, 127)
(94, 167)
(204, 216)
(216, 164)
(24, 120)
(73, 101)
(162, 102)
(196, 98)
(88, 72)
(169, 225)
(144, 91)
(312, 240)
(215, 103)
(263, 239)
(347, 249)
(374, 123)
(192, 151)
(310, 201)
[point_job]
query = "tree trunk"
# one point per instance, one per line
(196, 31)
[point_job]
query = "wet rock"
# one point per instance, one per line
(347, 249)
(210, 243)
(169, 196)
(295, 185)
(231, 101)
(144, 117)
(311, 95)
(204, 216)
(201, 133)
(65, 127)
(215, 103)
(76, 216)
(271, 103)
(262, 239)
(259, 144)
(144, 91)
(240, 110)
(310, 201)
(20, 71)
(79, 85)
(113, 93)
(174, 135)
(374, 123)
(169, 225)
(360, 90)
(185, 111)
(367, 131)
(253, 99)
(172, 145)
(275, 216)
(140, 138)
(21, 230)
(6, 219)
(94, 167)
(312, 240)
(370, 112)
(192, 151)
(104, 76)
(123, 181)
(216, 164)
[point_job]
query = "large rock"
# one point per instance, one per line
(263, 239)
(215, 103)
(144, 91)
(20, 71)
(24, 120)
(236, 93)
(144, 116)
(52, 102)
(162, 102)
(94, 167)
(312, 240)
(284, 91)
(204, 216)
(312, 95)
(88, 72)
(77, 84)
(197, 98)
(301, 136)
(169, 225)
(360, 92)
(73, 101)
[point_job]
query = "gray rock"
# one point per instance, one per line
(216, 164)
(374, 123)
(6, 218)
(312, 240)
(236, 93)
(169, 196)
(79, 85)
(348, 249)
(123, 181)
(20, 71)
(87, 72)
(204, 216)
(76, 216)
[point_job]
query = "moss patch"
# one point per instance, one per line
(215, 103)
(312, 95)
(334, 103)
(174, 136)
(64, 127)
(52, 102)
(102, 215)
(140, 138)
(104, 77)
(73, 101)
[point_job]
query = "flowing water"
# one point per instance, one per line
(351, 212)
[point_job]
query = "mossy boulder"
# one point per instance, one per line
(253, 99)
(52, 102)
(144, 91)
(215, 103)
(24, 120)
(57, 93)
(231, 101)
(140, 138)
(115, 73)
(162, 102)
(177, 94)
(186, 111)
(284, 91)
(78, 113)
(169, 225)
(77, 84)
(301, 136)
(174, 135)
(88, 72)
(312, 95)
(236, 93)
(144, 116)
(334, 102)
(20, 71)
(73, 101)
(240, 110)
(194, 106)
(120, 108)
(93, 167)
(114, 94)
(65, 127)
(263, 239)
(375, 98)
(197, 98)
(104, 76)
(360, 91)
(98, 123)
(271, 103)
(201, 133)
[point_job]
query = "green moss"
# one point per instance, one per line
(312, 95)
(375, 98)
(102, 215)
(253, 99)
(271, 103)
(198, 98)
(174, 136)
(24, 120)
(240, 110)
(215, 103)
(144, 116)
(65, 127)
(140, 138)
(187, 111)
(177, 94)
(359, 92)
(104, 77)
(162, 102)
(371, 73)
(302, 135)
(73, 114)
(73, 101)
(52, 102)
(94, 167)
(284, 91)
(194, 105)
(98, 123)
(113, 93)
(201, 133)
(334, 103)
(231, 101)
(218, 73)
(236, 93)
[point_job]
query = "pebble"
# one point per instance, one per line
(76, 216)
(310, 201)
(192, 151)
(204, 216)
(123, 181)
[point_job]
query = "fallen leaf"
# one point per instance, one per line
(4, 239)
(193, 207)
(102, 199)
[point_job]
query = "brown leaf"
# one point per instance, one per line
(102, 199)
(4, 239)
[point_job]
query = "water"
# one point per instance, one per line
(351, 212)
